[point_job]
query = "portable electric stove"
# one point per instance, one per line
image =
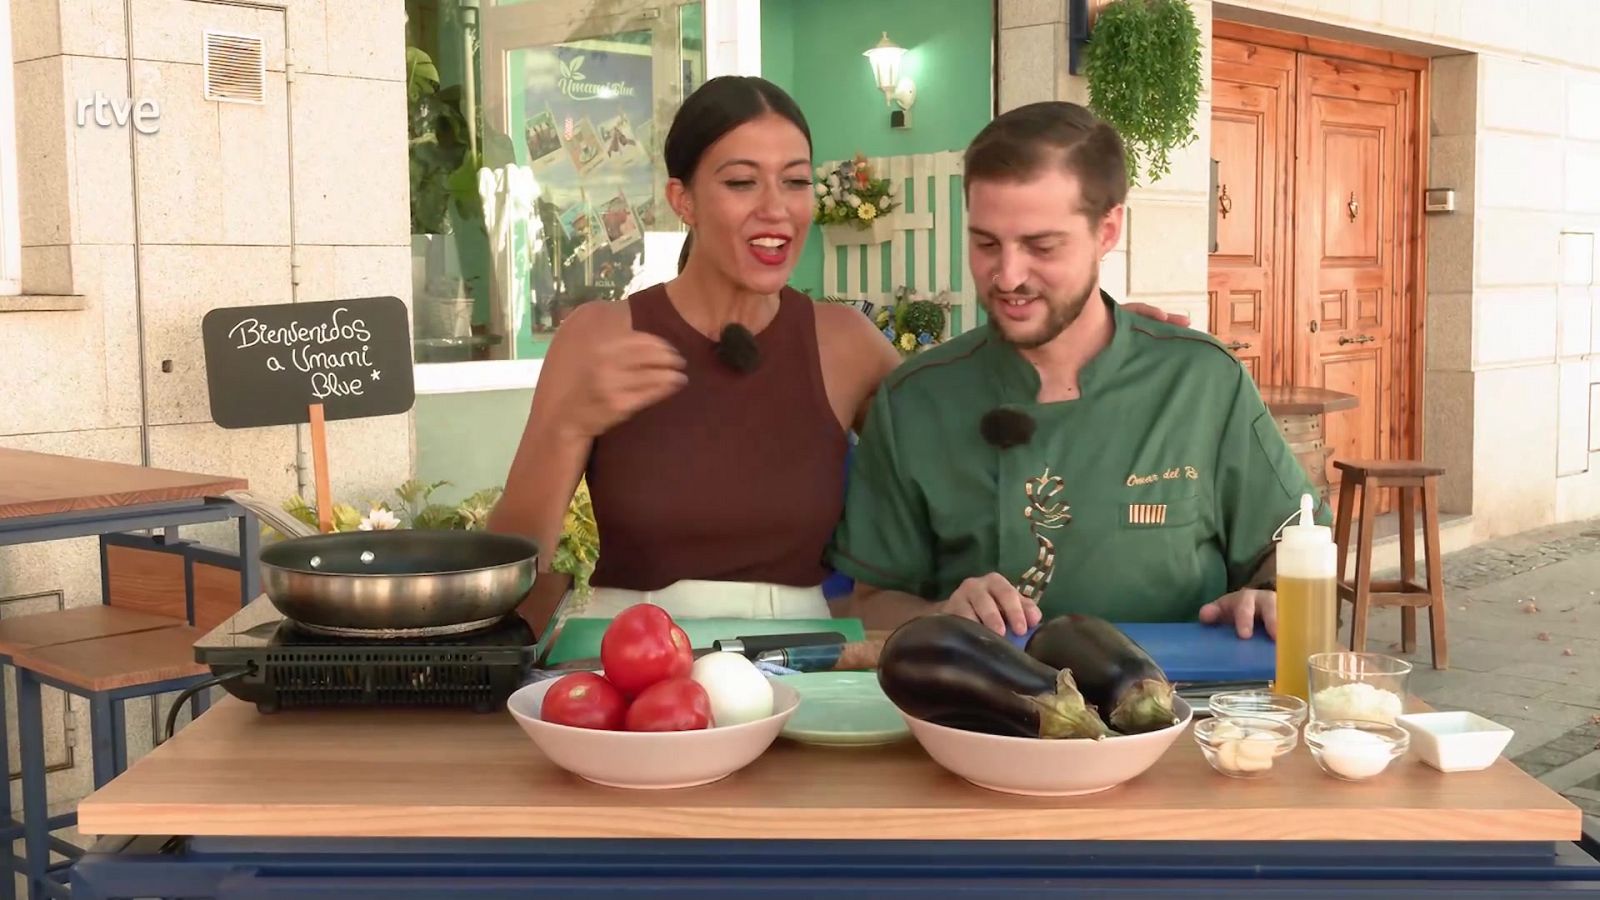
(279, 664)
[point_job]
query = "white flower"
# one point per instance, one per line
(822, 189)
(379, 519)
(852, 199)
(822, 171)
(827, 203)
(833, 182)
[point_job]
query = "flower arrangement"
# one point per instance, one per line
(848, 194)
(411, 507)
(912, 323)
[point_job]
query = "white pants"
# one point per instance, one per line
(691, 599)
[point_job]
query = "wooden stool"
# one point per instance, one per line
(22, 634)
(107, 671)
(1406, 476)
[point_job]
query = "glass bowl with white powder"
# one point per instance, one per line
(1355, 749)
(1365, 687)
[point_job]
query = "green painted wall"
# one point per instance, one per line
(812, 48)
(777, 43)
(468, 439)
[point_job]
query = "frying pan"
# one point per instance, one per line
(406, 582)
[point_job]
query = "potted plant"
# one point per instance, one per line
(1143, 66)
(445, 153)
(913, 323)
(853, 204)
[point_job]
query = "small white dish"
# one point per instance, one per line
(1456, 741)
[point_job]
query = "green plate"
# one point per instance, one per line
(842, 709)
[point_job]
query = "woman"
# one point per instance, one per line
(710, 413)
(716, 486)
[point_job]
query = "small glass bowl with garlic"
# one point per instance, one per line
(1244, 746)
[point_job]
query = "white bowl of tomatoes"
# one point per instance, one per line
(654, 717)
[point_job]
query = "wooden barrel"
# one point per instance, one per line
(1305, 437)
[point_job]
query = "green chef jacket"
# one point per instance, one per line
(1158, 490)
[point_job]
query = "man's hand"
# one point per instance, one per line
(1242, 607)
(1155, 312)
(994, 601)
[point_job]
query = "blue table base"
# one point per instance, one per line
(348, 869)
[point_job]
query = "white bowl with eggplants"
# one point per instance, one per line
(1005, 719)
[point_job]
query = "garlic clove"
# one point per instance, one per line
(1228, 755)
(1258, 747)
(1227, 731)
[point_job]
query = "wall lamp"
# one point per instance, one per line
(885, 58)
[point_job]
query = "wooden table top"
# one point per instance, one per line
(37, 484)
(22, 633)
(119, 660)
(1305, 401)
(443, 773)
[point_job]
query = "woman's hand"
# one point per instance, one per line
(1152, 312)
(625, 374)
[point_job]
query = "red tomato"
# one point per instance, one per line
(585, 700)
(642, 646)
(677, 704)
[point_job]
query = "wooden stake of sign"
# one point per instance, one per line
(319, 469)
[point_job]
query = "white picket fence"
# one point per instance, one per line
(929, 185)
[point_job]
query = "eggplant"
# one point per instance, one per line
(1117, 677)
(955, 672)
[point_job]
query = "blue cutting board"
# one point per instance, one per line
(1191, 651)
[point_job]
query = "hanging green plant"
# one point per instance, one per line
(1143, 66)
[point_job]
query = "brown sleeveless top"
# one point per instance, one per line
(737, 477)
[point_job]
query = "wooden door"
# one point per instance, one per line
(1354, 184)
(1252, 133)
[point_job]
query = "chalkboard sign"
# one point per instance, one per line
(266, 365)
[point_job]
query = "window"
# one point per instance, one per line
(578, 98)
(10, 227)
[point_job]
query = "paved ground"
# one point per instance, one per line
(1524, 638)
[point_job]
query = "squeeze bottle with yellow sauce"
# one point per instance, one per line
(1307, 599)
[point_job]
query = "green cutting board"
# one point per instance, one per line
(580, 636)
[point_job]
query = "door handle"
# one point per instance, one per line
(1358, 339)
(1238, 345)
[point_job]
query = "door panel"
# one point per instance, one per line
(1251, 137)
(1351, 182)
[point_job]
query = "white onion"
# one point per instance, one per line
(739, 692)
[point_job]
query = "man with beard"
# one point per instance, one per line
(1068, 457)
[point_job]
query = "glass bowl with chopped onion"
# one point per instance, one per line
(1361, 687)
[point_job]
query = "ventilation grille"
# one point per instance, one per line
(235, 67)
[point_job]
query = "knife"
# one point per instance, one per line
(810, 651)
